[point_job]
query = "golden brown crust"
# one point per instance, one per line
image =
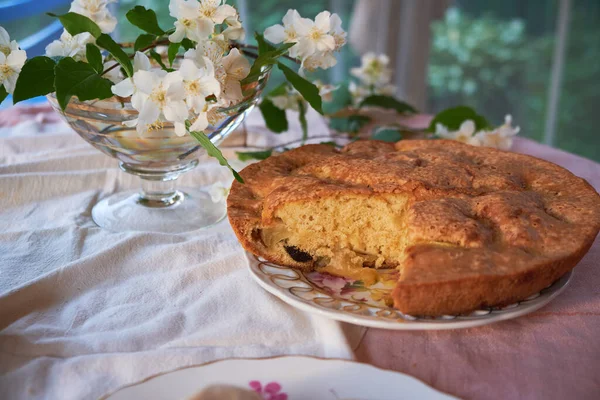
(485, 227)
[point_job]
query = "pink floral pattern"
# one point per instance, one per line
(356, 291)
(271, 391)
(334, 285)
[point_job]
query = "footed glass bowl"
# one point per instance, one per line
(158, 158)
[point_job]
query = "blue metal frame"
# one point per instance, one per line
(17, 9)
(35, 44)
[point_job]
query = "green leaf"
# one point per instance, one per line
(253, 155)
(187, 44)
(267, 58)
(94, 57)
(106, 42)
(213, 151)
(77, 78)
(36, 79)
(157, 57)
(275, 118)
(302, 118)
(75, 24)
(263, 45)
(452, 118)
(387, 135)
(56, 59)
(341, 98)
(173, 50)
(307, 89)
(3, 94)
(330, 143)
(351, 124)
(388, 102)
(143, 41)
(145, 20)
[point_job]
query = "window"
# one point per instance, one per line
(507, 57)
(537, 60)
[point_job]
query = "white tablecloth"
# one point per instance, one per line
(84, 311)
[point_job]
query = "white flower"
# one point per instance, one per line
(374, 78)
(141, 62)
(219, 191)
(126, 87)
(284, 102)
(216, 10)
(358, 92)
(315, 40)
(199, 83)
(10, 68)
(501, 137)
(190, 22)
(325, 90)
(234, 30)
(6, 45)
(315, 36)
(323, 60)
(288, 101)
(387, 90)
(235, 68)
(287, 32)
(114, 75)
(158, 96)
(338, 33)
(373, 70)
(291, 98)
(11, 61)
(214, 51)
(97, 11)
(465, 133)
(70, 46)
(211, 49)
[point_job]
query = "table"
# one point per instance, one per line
(84, 312)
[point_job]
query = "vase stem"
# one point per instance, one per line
(158, 193)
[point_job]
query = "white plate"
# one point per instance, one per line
(287, 378)
(350, 301)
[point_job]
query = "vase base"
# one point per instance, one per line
(127, 211)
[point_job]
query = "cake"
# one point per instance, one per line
(466, 226)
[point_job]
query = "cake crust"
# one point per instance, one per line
(483, 227)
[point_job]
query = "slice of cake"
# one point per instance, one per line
(466, 226)
(225, 392)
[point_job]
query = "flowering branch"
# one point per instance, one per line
(243, 46)
(88, 64)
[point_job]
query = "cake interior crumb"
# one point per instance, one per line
(346, 235)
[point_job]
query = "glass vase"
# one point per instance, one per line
(158, 158)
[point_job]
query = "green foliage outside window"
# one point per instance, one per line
(497, 66)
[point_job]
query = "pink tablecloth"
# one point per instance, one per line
(553, 353)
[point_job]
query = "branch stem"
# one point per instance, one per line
(235, 45)
(242, 46)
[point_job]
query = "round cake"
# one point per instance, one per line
(466, 226)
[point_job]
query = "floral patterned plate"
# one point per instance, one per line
(286, 378)
(351, 301)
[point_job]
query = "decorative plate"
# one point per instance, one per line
(286, 378)
(351, 301)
